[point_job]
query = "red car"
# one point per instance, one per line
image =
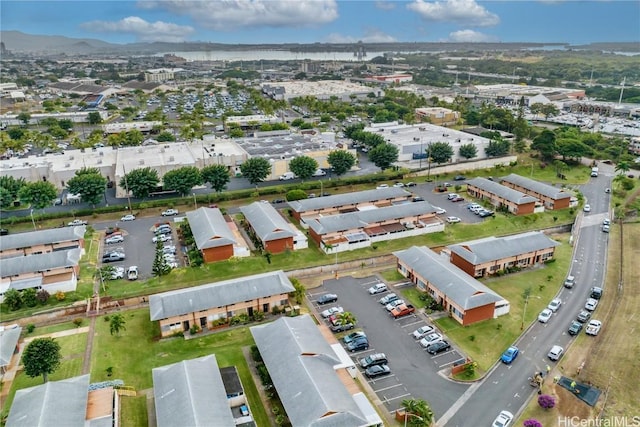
(458, 199)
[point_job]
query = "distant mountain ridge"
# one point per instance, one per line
(18, 42)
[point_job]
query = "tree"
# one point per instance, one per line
(571, 148)
(545, 144)
(545, 401)
(623, 167)
(13, 299)
(116, 324)
(256, 169)
(217, 176)
(6, 199)
(29, 297)
(346, 318)
(182, 179)
(43, 296)
(90, 184)
(94, 118)
(440, 152)
(140, 182)
(293, 195)
(39, 194)
(497, 147)
(341, 161)
(468, 151)
(303, 166)
(41, 357)
(384, 155)
(24, 118)
(299, 292)
(423, 415)
(160, 265)
(12, 185)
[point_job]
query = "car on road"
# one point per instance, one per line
(410, 184)
(606, 228)
(115, 238)
(458, 199)
(117, 273)
(596, 292)
(417, 199)
(128, 218)
(453, 219)
(161, 238)
(430, 339)
(423, 331)
(77, 222)
(113, 257)
(485, 213)
(555, 304)
(591, 304)
(503, 419)
(327, 298)
(377, 371)
(459, 178)
(439, 210)
(132, 273)
(587, 208)
(509, 355)
(583, 316)
(593, 327)
(377, 288)
(373, 359)
(388, 298)
(359, 344)
(398, 184)
(170, 212)
(545, 315)
(393, 304)
(331, 311)
(452, 196)
(352, 336)
(438, 347)
(569, 282)
(555, 353)
(574, 328)
(278, 201)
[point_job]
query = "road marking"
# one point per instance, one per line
(387, 388)
(458, 404)
(411, 324)
(397, 397)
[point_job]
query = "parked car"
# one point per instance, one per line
(117, 273)
(381, 186)
(439, 210)
(459, 178)
(358, 344)
(352, 336)
(438, 347)
(393, 304)
(161, 238)
(113, 257)
(555, 304)
(555, 353)
(320, 172)
(510, 354)
(398, 184)
(373, 359)
(423, 331)
(327, 298)
(377, 371)
(569, 282)
(596, 292)
(587, 208)
(128, 218)
(132, 273)
(574, 328)
(115, 238)
(503, 419)
(485, 213)
(278, 201)
(458, 199)
(583, 316)
(430, 339)
(169, 249)
(606, 228)
(593, 327)
(410, 184)
(341, 327)
(544, 315)
(377, 288)
(331, 311)
(591, 304)
(402, 310)
(170, 212)
(452, 196)
(388, 298)
(453, 219)
(77, 222)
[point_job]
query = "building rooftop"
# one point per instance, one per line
(42, 237)
(347, 199)
(500, 190)
(267, 222)
(209, 228)
(284, 146)
(8, 341)
(537, 186)
(15, 266)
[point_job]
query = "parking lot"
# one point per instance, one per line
(458, 209)
(137, 246)
(414, 372)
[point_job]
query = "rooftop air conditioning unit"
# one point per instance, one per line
(139, 150)
(172, 159)
(70, 157)
(422, 128)
(162, 150)
(99, 161)
(141, 162)
(66, 165)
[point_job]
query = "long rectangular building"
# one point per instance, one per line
(500, 196)
(552, 197)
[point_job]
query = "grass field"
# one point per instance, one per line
(610, 360)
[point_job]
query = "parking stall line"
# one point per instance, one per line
(387, 388)
(388, 399)
(411, 324)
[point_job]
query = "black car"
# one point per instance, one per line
(583, 316)
(353, 336)
(438, 347)
(486, 213)
(358, 344)
(575, 328)
(278, 201)
(459, 178)
(410, 184)
(417, 199)
(327, 298)
(341, 328)
(596, 292)
(377, 370)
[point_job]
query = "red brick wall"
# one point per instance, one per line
(280, 245)
(478, 314)
(463, 264)
(217, 254)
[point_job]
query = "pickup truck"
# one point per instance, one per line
(402, 310)
(77, 222)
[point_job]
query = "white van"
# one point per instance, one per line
(287, 176)
(320, 172)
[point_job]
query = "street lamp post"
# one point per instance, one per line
(33, 221)
(195, 202)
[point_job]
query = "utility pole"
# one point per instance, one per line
(126, 187)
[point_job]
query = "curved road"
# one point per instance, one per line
(507, 386)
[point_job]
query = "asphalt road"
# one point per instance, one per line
(507, 386)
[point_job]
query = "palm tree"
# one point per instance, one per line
(418, 413)
(623, 167)
(346, 318)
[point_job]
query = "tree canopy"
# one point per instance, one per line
(41, 357)
(341, 161)
(182, 180)
(384, 155)
(468, 151)
(40, 194)
(217, 176)
(440, 152)
(90, 184)
(303, 167)
(140, 182)
(255, 169)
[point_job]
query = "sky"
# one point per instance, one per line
(328, 21)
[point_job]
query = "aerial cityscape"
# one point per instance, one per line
(319, 213)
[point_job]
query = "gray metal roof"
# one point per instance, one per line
(267, 221)
(537, 186)
(209, 228)
(41, 262)
(457, 285)
(367, 196)
(42, 237)
(500, 190)
(8, 341)
(361, 219)
(219, 294)
(55, 403)
(301, 365)
(191, 393)
(494, 248)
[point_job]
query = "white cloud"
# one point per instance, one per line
(234, 14)
(470, 36)
(463, 12)
(385, 5)
(372, 35)
(143, 30)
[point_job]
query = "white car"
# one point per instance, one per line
(398, 184)
(591, 304)
(394, 304)
(587, 208)
(170, 212)
(503, 419)
(452, 196)
(331, 311)
(377, 288)
(422, 332)
(593, 327)
(381, 186)
(453, 219)
(128, 218)
(169, 249)
(545, 315)
(117, 273)
(555, 353)
(132, 273)
(118, 238)
(555, 304)
(430, 339)
(439, 210)
(161, 238)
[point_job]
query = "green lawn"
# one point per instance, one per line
(544, 281)
(137, 351)
(43, 330)
(134, 411)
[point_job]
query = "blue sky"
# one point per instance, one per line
(327, 21)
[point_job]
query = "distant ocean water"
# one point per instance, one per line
(271, 55)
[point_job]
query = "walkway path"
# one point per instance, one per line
(86, 364)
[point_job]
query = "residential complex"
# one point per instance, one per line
(275, 234)
(216, 237)
(503, 197)
(552, 198)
